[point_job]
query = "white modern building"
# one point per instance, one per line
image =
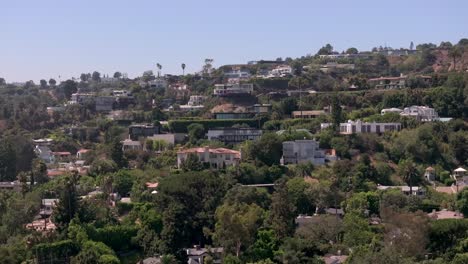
(300, 151)
(229, 89)
(354, 127)
(234, 135)
(158, 83)
(196, 100)
(237, 74)
(215, 157)
(421, 113)
(281, 71)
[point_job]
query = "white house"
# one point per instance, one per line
(390, 110)
(215, 157)
(196, 100)
(158, 83)
(421, 113)
(129, 144)
(353, 127)
(300, 151)
(281, 71)
(233, 89)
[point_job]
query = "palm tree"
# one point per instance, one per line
(410, 174)
(159, 69)
(183, 68)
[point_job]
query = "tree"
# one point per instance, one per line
(147, 76)
(195, 132)
(96, 76)
(236, 226)
(69, 87)
(95, 253)
(325, 50)
(39, 171)
(117, 154)
(455, 53)
(183, 68)
(336, 113)
(7, 161)
(2, 81)
(67, 206)
(117, 74)
(191, 163)
(123, 182)
(43, 83)
(84, 77)
(282, 212)
(352, 51)
(445, 45)
(268, 149)
(264, 247)
(52, 82)
(409, 173)
(159, 66)
(462, 201)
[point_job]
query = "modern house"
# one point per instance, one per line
(388, 82)
(196, 100)
(281, 71)
(229, 89)
(354, 127)
(104, 103)
(333, 66)
(301, 151)
(237, 74)
(158, 83)
(260, 108)
(234, 135)
(214, 157)
(142, 130)
(307, 114)
(420, 113)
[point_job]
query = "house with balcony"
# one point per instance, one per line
(388, 82)
(214, 157)
(233, 89)
(355, 127)
(232, 135)
(301, 151)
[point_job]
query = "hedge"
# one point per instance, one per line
(180, 126)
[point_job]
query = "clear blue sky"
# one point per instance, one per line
(44, 39)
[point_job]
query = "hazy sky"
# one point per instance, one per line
(44, 39)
